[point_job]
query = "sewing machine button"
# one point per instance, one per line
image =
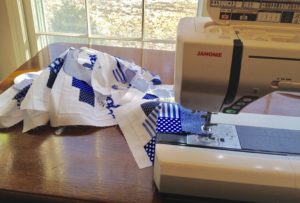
(247, 100)
(236, 107)
(230, 111)
(241, 103)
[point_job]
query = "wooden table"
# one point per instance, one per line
(87, 164)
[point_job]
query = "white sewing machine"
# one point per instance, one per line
(246, 50)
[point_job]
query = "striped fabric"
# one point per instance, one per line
(169, 119)
(169, 110)
(118, 73)
(150, 122)
(165, 118)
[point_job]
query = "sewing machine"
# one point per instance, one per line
(245, 50)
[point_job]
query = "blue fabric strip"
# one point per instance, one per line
(169, 110)
(121, 71)
(86, 93)
(191, 121)
(115, 75)
(150, 96)
(152, 126)
(151, 118)
(54, 67)
(19, 97)
(151, 133)
(119, 75)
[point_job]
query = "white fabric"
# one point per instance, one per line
(164, 92)
(102, 75)
(25, 79)
(90, 88)
(66, 109)
(85, 87)
(35, 105)
(130, 118)
(73, 65)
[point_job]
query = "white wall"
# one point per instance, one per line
(14, 45)
(7, 54)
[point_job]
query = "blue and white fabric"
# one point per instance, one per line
(118, 72)
(79, 65)
(92, 88)
(80, 87)
(21, 95)
(150, 149)
(151, 121)
(90, 64)
(54, 67)
(86, 92)
(35, 105)
(11, 99)
(130, 118)
(191, 122)
(169, 118)
(74, 102)
(114, 73)
(165, 118)
(110, 105)
(10, 113)
(150, 96)
(148, 107)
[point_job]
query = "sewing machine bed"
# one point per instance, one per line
(246, 138)
(269, 140)
(240, 155)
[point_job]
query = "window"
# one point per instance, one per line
(127, 23)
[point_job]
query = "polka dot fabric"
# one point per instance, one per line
(86, 93)
(168, 125)
(150, 96)
(118, 73)
(150, 149)
(162, 118)
(148, 107)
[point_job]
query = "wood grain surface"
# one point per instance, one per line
(87, 164)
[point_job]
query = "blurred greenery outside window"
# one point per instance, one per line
(127, 23)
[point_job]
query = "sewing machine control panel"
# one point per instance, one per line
(275, 11)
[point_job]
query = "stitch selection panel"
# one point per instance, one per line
(275, 11)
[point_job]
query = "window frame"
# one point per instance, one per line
(36, 45)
